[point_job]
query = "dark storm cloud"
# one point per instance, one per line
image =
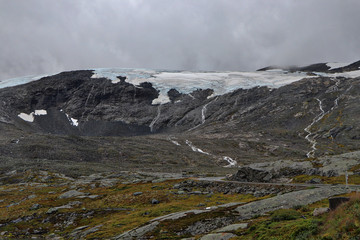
(44, 36)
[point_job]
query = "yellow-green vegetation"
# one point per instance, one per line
(355, 168)
(116, 208)
(299, 223)
(344, 222)
(143, 211)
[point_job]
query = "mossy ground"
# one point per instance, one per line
(116, 208)
(299, 223)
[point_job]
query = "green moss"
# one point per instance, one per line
(285, 214)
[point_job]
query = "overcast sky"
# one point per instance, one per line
(47, 36)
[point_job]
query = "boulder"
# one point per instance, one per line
(35, 206)
(249, 174)
(232, 227)
(155, 201)
(218, 236)
(314, 181)
(320, 211)
(71, 194)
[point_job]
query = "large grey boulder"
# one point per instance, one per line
(232, 227)
(137, 233)
(71, 194)
(248, 174)
(218, 236)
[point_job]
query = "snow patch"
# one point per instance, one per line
(195, 149)
(73, 121)
(232, 162)
(30, 117)
(276, 70)
(334, 65)
(27, 117)
(174, 142)
(161, 100)
(40, 112)
(352, 74)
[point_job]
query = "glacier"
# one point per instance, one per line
(188, 81)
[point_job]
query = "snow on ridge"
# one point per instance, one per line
(187, 82)
(334, 65)
(276, 70)
(30, 117)
(19, 81)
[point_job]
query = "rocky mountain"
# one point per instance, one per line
(176, 120)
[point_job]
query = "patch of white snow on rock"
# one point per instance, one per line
(195, 149)
(30, 117)
(334, 65)
(232, 162)
(72, 121)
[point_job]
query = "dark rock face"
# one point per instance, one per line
(257, 124)
(122, 109)
(174, 95)
(337, 201)
(101, 107)
(247, 174)
(317, 67)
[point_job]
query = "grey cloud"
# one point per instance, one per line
(45, 36)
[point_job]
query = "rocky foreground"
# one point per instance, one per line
(126, 205)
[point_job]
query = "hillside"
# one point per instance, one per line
(140, 154)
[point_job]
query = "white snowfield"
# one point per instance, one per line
(334, 65)
(221, 82)
(187, 82)
(20, 80)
